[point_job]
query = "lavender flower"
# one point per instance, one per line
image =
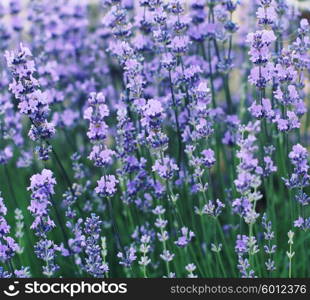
(46, 250)
(248, 178)
(32, 101)
(241, 244)
(268, 247)
(24, 272)
(213, 209)
(42, 189)
(8, 246)
(145, 249)
(94, 264)
(245, 246)
(190, 268)
(95, 113)
(127, 258)
(19, 230)
(106, 185)
(244, 268)
(167, 256)
(165, 167)
(208, 157)
(299, 177)
(185, 238)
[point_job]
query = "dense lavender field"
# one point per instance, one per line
(154, 138)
